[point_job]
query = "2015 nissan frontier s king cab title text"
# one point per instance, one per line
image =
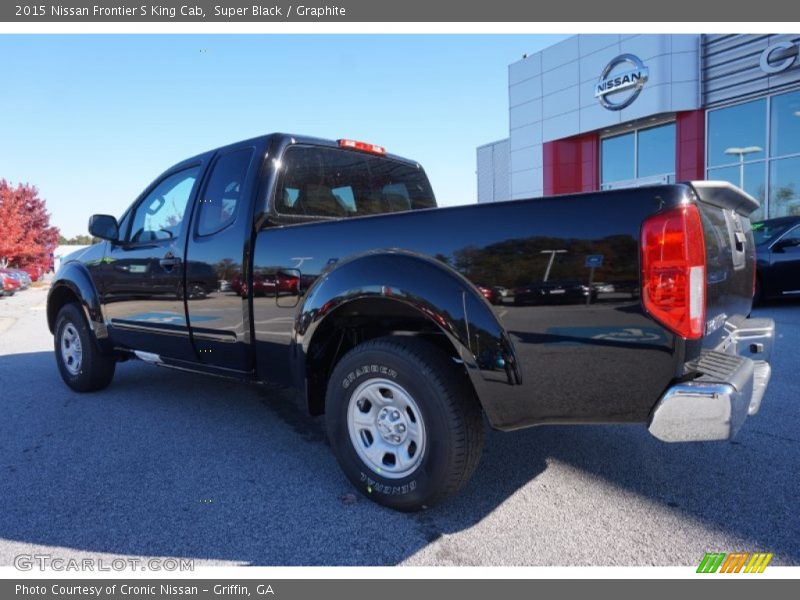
(326, 267)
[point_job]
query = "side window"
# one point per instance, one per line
(395, 196)
(289, 197)
(160, 214)
(793, 237)
(220, 201)
(344, 196)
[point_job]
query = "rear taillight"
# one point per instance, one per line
(674, 270)
(363, 146)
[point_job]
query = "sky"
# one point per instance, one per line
(91, 120)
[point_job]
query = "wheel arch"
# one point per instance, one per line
(74, 284)
(389, 292)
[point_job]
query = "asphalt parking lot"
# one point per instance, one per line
(164, 463)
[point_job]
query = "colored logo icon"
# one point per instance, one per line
(737, 562)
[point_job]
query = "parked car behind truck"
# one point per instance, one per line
(9, 283)
(383, 328)
(778, 252)
(20, 276)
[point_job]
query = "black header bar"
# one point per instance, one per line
(610, 11)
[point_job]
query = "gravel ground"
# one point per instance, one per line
(164, 463)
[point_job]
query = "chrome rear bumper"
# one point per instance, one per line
(730, 385)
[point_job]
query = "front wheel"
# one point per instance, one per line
(403, 422)
(82, 365)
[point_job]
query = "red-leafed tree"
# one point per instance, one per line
(26, 236)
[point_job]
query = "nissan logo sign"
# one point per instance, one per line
(608, 85)
(778, 57)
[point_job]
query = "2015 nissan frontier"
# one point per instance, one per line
(326, 267)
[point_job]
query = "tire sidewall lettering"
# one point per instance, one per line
(373, 485)
(369, 369)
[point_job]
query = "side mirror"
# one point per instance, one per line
(104, 227)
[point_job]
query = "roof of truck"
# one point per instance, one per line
(293, 139)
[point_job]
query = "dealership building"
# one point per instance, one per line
(601, 112)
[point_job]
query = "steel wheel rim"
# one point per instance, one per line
(71, 350)
(386, 428)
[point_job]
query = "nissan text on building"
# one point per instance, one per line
(612, 111)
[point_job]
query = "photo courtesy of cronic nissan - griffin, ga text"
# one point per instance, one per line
(326, 267)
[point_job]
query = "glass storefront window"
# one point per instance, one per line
(752, 175)
(785, 124)
(632, 158)
(784, 187)
(618, 158)
(765, 161)
(737, 132)
(656, 151)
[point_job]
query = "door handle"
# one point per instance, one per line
(169, 261)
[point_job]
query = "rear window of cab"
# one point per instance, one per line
(318, 181)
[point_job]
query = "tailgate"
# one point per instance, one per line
(730, 255)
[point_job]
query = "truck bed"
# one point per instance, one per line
(585, 349)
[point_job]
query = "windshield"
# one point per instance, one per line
(764, 231)
(328, 182)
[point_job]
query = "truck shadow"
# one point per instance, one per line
(165, 463)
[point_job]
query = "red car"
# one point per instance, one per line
(275, 284)
(32, 271)
(10, 285)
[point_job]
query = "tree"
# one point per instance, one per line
(784, 202)
(226, 268)
(26, 236)
(79, 240)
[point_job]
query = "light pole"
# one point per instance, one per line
(552, 254)
(741, 152)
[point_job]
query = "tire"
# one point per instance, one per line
(416, 388)
(82, 365)
(758, 293)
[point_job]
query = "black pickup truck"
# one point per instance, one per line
(327, 268)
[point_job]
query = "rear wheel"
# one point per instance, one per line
(82, 365)
(403, 422)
